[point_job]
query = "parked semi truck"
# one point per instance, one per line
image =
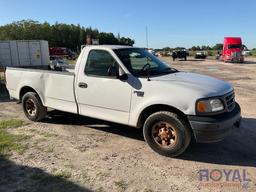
(130, 86)
(232, 50)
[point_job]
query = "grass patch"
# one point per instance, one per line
(99, 189)
(42, 181)
(62, 174)
(49, 149)
(9, 141)
(44, 134)
(49, 135)
(121, 185)
(11, 123)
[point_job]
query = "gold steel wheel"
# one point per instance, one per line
(30, 107)
(164, 134)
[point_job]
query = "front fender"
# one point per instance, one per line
(180, 106)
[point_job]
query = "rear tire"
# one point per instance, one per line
(166, 133)
(33, 107)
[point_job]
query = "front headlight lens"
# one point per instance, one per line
(209, 105)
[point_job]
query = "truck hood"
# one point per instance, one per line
(206, 85)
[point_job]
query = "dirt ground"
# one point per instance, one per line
(92, 155)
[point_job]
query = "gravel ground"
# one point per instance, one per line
(71, 153)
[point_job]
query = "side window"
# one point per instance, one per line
(99, 63)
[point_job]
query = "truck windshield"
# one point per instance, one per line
(142, 63)
(234, 46)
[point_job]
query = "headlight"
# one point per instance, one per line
(209, 105)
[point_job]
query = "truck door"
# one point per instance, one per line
(101, 94)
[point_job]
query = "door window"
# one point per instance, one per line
(101, 63)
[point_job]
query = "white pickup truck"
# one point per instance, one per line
(130, 86)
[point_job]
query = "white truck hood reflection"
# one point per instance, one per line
(207, 85)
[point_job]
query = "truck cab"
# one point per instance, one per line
(232, 50)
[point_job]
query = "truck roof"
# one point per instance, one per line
(233, 40)
(110, 46)
(232, 37)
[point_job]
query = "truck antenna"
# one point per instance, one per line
(147, 36)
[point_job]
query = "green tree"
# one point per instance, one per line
(58, 34)
(218, 46)
(126, 41)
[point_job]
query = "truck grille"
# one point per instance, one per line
(236, 55)
(230, 101)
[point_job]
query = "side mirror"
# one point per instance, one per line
(117, 72)
(123, 77)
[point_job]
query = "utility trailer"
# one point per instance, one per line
(24, 53)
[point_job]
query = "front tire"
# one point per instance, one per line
(166, 133)
(33, 107)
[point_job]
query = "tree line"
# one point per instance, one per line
(59, 34)
(216, 47)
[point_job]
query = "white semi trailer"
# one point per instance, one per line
(24, 53)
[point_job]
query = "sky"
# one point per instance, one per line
(170, 22)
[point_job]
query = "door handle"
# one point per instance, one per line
(82, 85)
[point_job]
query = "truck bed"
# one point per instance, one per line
(44, 69)
(55, 87)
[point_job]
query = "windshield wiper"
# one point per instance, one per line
(173, 70)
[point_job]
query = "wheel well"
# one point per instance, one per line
(155, 108)
(25, 90)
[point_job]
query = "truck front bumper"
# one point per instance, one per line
(214, 128)
(234, 60)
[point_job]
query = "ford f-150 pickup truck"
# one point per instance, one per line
(130, 86)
